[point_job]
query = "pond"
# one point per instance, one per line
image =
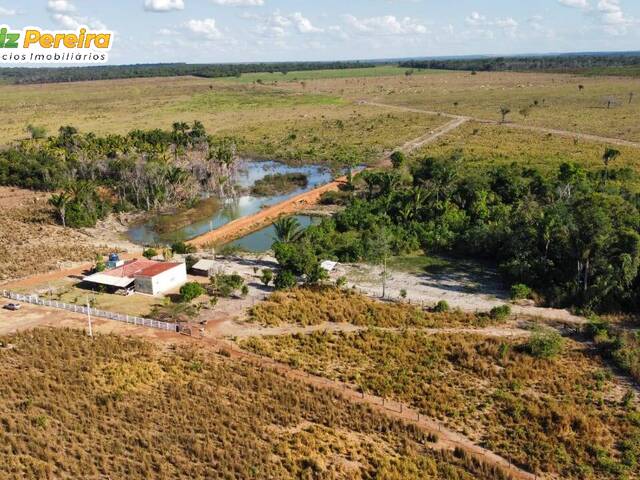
(149, 233)
(261, 241)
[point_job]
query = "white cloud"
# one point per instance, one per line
(72, 22)
(204, 28)
(483, 25)
(303, 24)
(239, 3)
(7, 13)
(60, 6)
(615, 21)
(163, 5)
(583, 4)
(476, 19)
(386, 25)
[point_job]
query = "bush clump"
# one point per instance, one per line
(545, 343)
(520, 291)
(442, 307)
(191, 291)
(501, 313)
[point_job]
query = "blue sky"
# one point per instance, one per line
(279, 30)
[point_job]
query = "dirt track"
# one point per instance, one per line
(244, 226)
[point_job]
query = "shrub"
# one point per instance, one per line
(520, 291)
(149, 253)
(267, 277)
(441, 307)
(397, 159)
(181, 248)
(225, 286)
(545, 343)
(501, 313)
(190, 291)
(403, 293)
(285, 280)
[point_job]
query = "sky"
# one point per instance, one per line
(212, 31)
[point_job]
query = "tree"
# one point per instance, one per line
(149, 253)
(398, 159)
(504, 111)
(182, 248)
(288, 230)
(60, 202)
(610, 154)
(100, 266)
(378, 247)
(190, 291)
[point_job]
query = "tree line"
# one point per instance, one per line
(75, 74)
(572, 236)
(143, 170)
(553, 63)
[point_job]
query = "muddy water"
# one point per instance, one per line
(165, 229)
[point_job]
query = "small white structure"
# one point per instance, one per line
(328, 265)
(146, 276)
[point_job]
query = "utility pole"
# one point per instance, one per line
(89, 317)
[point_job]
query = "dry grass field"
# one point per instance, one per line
(111, 407)
(566, 417)
(481, 145)
(561, 103)
(30, 242)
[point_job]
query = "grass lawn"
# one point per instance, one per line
(68, 291)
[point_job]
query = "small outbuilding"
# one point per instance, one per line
(205, 268)
(145, 276)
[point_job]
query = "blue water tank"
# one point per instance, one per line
(114, 257)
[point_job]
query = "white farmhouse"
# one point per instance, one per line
(145, 276)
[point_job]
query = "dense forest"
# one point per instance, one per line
(143, 170)
(573, 237)
(76, 74)
(577, 63)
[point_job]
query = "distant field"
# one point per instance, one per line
(482, 145)
(299, 117)
(367, 131)
(382, 71)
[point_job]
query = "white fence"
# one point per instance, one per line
(118, 317)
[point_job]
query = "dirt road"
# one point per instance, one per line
(519, 126)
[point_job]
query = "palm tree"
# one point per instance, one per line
(60, 202)
(610, 154)
(288, 230)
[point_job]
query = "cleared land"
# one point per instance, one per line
(565, 417)
(75, 407)
(31, 242)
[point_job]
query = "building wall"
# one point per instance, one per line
(163, 282)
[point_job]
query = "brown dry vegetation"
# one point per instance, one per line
(72, 407)
(564, 416)
(317, 305)
(30, 242)
(561, 104)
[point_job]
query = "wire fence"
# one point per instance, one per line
(118, 317)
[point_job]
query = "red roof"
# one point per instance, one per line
(156, 269)
(141, 268)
